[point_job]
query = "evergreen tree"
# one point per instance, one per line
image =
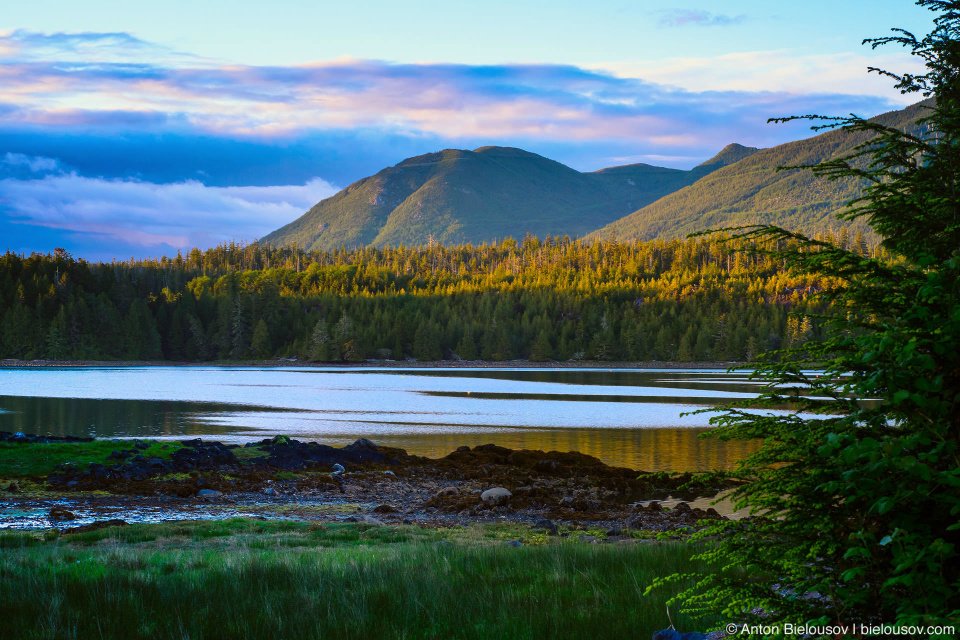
(260, 342)
(541, 351)
(320, 342)
(856, 504)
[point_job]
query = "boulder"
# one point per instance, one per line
(207, 493)
(447, 491)
(384, 508)
(549, 525)
(59, 513)
(496, 496)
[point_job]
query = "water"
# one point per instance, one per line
(629, 418)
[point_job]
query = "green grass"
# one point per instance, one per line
(251, 579)
(245, 454)
(34, 460)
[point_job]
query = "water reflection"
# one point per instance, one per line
(106, 418)
(630, 418)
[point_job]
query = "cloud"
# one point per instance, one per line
(22, 45)
(695, 17)
(154, 216)
(454, 101)
(33, 164)
(777, 72)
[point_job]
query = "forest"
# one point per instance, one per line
(551, 299)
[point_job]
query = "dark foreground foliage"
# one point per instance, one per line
(860, 501)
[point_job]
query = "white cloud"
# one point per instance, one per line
(35, 164)
(776, 71)
(695, 17)
(181, 215)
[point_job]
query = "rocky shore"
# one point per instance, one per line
(554, 491)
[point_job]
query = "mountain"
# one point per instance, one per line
(456, 196)
(750, 190)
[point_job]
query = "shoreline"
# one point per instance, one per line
(375, 364)
(283, 477)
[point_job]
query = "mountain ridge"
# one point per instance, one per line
(457, 195)
(752, 190)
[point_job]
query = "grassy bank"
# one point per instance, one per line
(35, 460)
(251, 579)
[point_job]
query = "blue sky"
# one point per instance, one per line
(130, 128)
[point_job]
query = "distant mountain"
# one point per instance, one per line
(750, 190)
(456, 196)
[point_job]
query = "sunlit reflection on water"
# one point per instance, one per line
(629, 418)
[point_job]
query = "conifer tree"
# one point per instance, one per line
(856, 504)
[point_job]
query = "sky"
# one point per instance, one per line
(140, 129)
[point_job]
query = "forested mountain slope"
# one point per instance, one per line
(455, 196)
(751, 190)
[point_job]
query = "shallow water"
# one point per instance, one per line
(626, 417)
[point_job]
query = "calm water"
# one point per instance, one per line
(625, 417)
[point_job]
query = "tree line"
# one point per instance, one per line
(538, 299)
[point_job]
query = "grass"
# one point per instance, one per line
(40, 459)
(253, 579)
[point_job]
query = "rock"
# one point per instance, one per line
(513, 543)
(566, 502)
(98, 471)
(586, 538)
(59, 513)
(12, 488)
(384, 508)
(447, 491)
(337, 469)
(407, 521)
(615, 531)
(208, 493)
(496, 496)
(372, 520)
(199, 455)
(142, 445)
(270, 491)
(549, 525)
(361, 444)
